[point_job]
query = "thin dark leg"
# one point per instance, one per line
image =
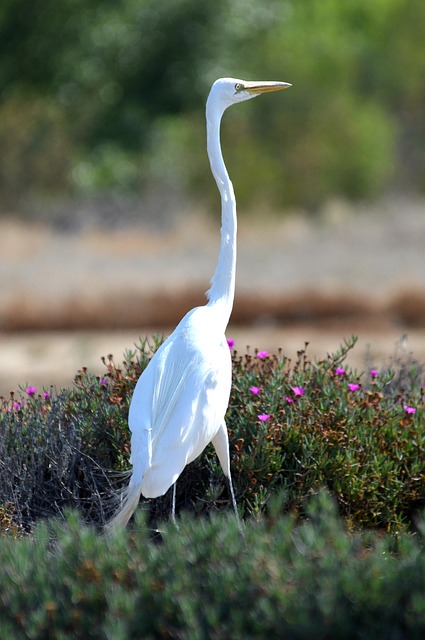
(235, 508)
(173, 506)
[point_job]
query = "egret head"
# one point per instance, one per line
(228, 91)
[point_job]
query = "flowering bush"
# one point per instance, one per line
(320, 424)
(294, 427)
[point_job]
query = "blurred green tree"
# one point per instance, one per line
(123, 88)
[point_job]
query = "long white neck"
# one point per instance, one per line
(222, 291)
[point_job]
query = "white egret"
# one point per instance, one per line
(181, 398)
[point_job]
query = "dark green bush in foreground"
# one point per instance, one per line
(293, 427)
(281, 579)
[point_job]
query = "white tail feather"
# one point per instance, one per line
(130, 500)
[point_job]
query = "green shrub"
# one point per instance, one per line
(361, 436)
(281, 578)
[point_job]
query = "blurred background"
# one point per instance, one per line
(109, 216)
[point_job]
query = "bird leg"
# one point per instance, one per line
(221, 446)
(232, 496)
(173, 506)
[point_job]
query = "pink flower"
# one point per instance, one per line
(298, 391)
(255, 390)
(264, 417)
(340, 371)
(16, 406)
(103, 382)
(262, 354)
(353, 386)
(409, 410)
(373, 373)
(46, 395)
(289, 400)
(31, 391)
(231, 343)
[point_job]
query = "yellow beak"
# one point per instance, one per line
(265, 87)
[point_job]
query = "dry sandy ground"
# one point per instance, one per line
(68, 299)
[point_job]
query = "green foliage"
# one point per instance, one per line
(55, 450)
(362, 443)
(282, 578)
(39, 153)
(122, 79)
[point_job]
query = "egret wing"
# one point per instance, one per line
(172, 380)
(187, 391)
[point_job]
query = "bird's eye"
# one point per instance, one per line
(239, 87)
